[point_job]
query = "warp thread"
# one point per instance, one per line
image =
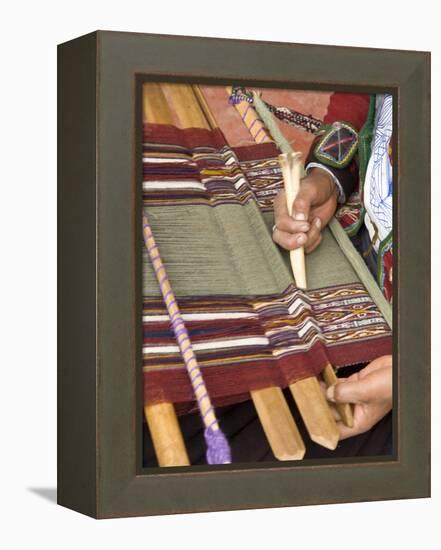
(218, 449)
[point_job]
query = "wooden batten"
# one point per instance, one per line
(344, 409)
(278, 424)
(166, 435)
(315, 411)
(155, 108)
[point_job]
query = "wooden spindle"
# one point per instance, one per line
(344, 409)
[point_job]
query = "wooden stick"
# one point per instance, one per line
(186, 106)
(166, 435)
(292, 166)
(307, 393)
(155, 106)
(278, 424)
(285, 440)
(292, 169)
(315, 412)
(212, 123)
(344, 409)
(251, 120)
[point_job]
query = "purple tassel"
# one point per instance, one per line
(218, 450)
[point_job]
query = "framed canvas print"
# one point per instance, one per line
(244, 292)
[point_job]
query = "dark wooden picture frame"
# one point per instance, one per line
(99, 373)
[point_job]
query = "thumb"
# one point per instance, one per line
(303, 202)
(348, 391)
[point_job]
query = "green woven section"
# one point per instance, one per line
(326, 266)
(271, 125)
(228, 250)
(225, 249)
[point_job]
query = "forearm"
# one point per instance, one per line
(352, 110)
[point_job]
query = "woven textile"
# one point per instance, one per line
(197, 166)
(210, 207)
(258, 341)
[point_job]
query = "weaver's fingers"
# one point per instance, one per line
(314, 236)
(303, 202)
(348, 391)
(375, 387)
(283, 220)
(331, 406)
(280, 207)
(287, 240)
(289, 225)
(357, 429)
(385, 361)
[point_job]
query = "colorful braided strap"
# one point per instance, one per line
(218, 450)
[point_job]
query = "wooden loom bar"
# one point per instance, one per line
(161, 418)
(204, 107)
(155, 109)
(278, 424)
(344, 409)
(186, 106)
(166, 435)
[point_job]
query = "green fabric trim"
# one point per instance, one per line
(337, 230)
(353, 229)
(361, 269)
(271, 125)
(385, 243)
(199, 248)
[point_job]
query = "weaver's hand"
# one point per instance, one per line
(370, 390)
(313, 207)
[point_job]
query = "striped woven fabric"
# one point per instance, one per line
(210, 207)
(197, 166)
